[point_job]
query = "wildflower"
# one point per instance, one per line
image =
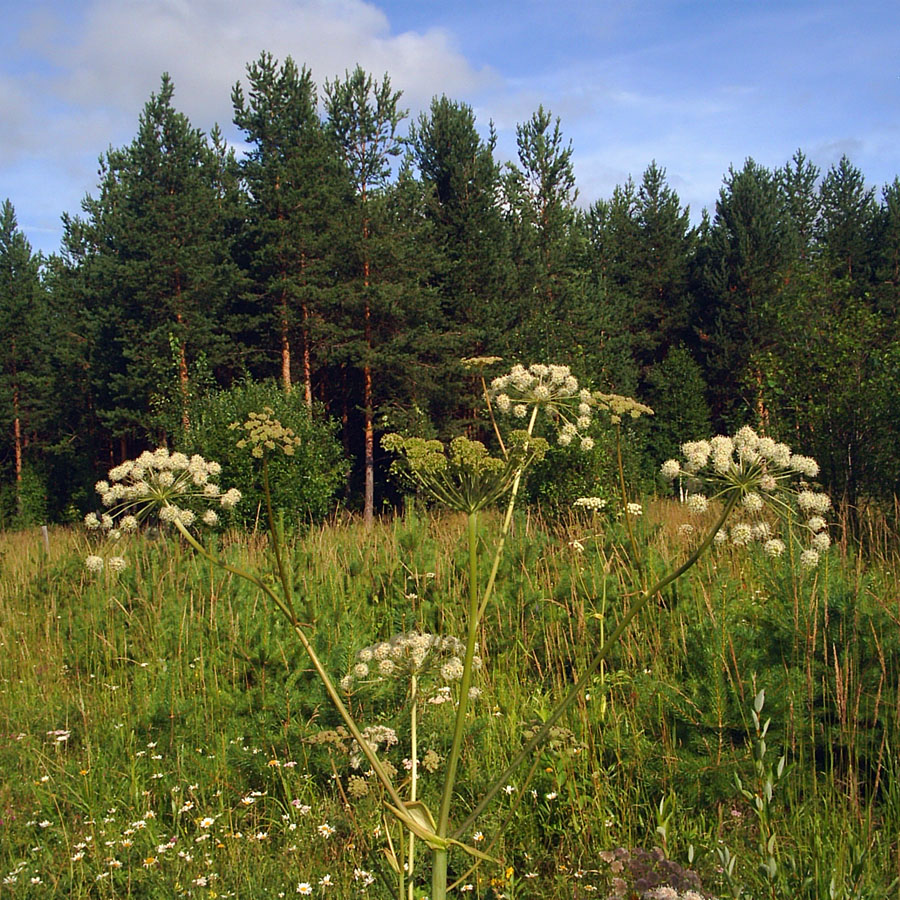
(304, 888)
(478, 837)
(431, 761)
(552, 389)
(207, 821)
(670, 469)
(820, 542)
(94, 563)
(325, 830)
(325, 881)
(159, 482)
(757, 472)
(116, 564)
(594, 503)
(752, 502)
(774, 548)
(265, 432)
(809, 559)
(463, 476)
(696, 503)
(618, 407)
(635, 509)
(452, 670)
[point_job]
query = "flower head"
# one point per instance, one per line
(159, 482)
(763, 478)
(463, 476)
(552, 390)
(264, 432)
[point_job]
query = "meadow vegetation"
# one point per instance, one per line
(163, 733)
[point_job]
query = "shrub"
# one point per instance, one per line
(303, 485)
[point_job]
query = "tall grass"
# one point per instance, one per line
(161, 734)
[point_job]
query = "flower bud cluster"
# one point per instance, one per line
(619, 407)
(765, 475)
(409, 653)
(265, 432)
(467, 478)
(553, 389)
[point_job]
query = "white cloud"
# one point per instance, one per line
(123, 46)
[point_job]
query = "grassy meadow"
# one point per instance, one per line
(162, 734)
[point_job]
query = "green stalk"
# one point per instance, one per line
(592, 667)
(504, 531)
(439, 870)
(330, 689)
(621, 467)
(413, 722)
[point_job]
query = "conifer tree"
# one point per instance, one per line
(293, 177)
(797, 181)
(363, 117)
(540, 196)
(158, 272)
(24, 369)
(470, 266)
(747, 250)
(848, 213)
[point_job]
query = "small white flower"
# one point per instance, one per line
(809, 559)
(670, 469)
(773, 548)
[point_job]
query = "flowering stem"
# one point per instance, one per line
(276, 543)
(635, 558)
(439, 869)
(593, 665)
(413, 722)
(504, 531)
(330, 689)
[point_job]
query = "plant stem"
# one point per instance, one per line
(504, 531)
(413, 722)
(621, 467)
(439, 871)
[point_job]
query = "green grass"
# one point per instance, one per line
(161, 733)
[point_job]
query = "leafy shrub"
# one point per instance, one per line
(303, 486)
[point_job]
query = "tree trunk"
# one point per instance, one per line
(285, 346)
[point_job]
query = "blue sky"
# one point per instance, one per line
(697, 85)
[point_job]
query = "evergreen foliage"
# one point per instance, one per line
(357, 264)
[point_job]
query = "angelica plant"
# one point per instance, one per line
(768, 479)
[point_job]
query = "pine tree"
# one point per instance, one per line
(158, 274)
(540, 196)
(747, 250)
(844, 228)
(363, 117)
(461, 181)
(797, 182)
(470, 266)
(24, 366)
(293, 177)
